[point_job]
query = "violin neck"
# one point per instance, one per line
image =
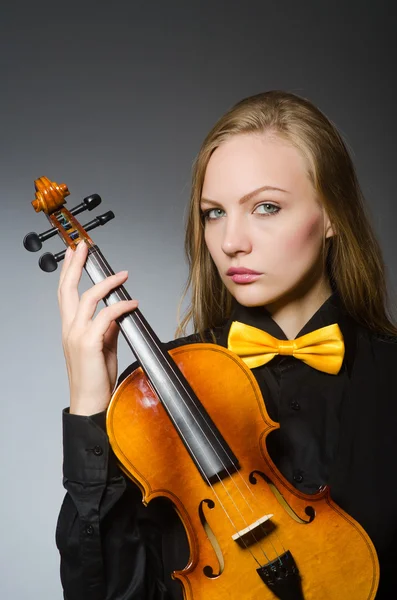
(204, 442)
(139, 335)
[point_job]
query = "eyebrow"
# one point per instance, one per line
(250, 195)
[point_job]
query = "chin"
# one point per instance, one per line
(252, 297)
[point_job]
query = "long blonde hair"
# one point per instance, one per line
(353, 256)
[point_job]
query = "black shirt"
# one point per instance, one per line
(334, 429)
(306, 402)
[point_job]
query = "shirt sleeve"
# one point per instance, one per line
(109, 546)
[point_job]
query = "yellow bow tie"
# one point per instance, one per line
(322, 349)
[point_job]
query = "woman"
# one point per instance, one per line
(277, 238)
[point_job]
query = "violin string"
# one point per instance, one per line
(265, 534)
(92, 256)
(188, 408)
(210, 424)
(94, 259)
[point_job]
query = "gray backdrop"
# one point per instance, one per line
(115, 98)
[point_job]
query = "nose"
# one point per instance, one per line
(235, 236)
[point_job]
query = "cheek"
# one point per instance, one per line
(305, 238)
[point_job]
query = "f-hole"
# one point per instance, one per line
(309, 510)
(209, 571)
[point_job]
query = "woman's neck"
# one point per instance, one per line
(291, 314)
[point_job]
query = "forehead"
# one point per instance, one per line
(248, 161)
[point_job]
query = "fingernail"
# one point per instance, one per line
(123, 273)
(80, 246)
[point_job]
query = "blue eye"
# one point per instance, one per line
(213, 214)
(267, 209)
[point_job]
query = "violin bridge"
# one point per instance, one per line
(254, 532)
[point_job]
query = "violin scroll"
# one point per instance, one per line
(50, 196)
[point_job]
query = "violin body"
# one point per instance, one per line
(334, 555)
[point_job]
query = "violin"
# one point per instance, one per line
(190, 425)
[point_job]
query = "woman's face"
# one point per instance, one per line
(264, 225)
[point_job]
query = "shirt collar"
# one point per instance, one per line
(331, 311)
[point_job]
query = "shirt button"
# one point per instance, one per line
(89, 530)
(298, 477)
(295, 405)
(97, 450)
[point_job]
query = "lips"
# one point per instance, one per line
(241, 275)
(241, 271)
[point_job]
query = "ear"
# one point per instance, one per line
(328, 229)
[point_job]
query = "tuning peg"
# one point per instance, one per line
(32, 242)
(49, 262)
(99, 220)
(89, 203)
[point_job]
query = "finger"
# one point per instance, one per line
(75, 263)
(68, 296)
(104, 318)
(111, 336)
(65, 265)
(89, 300)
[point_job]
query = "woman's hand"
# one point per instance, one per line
(89, 344)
